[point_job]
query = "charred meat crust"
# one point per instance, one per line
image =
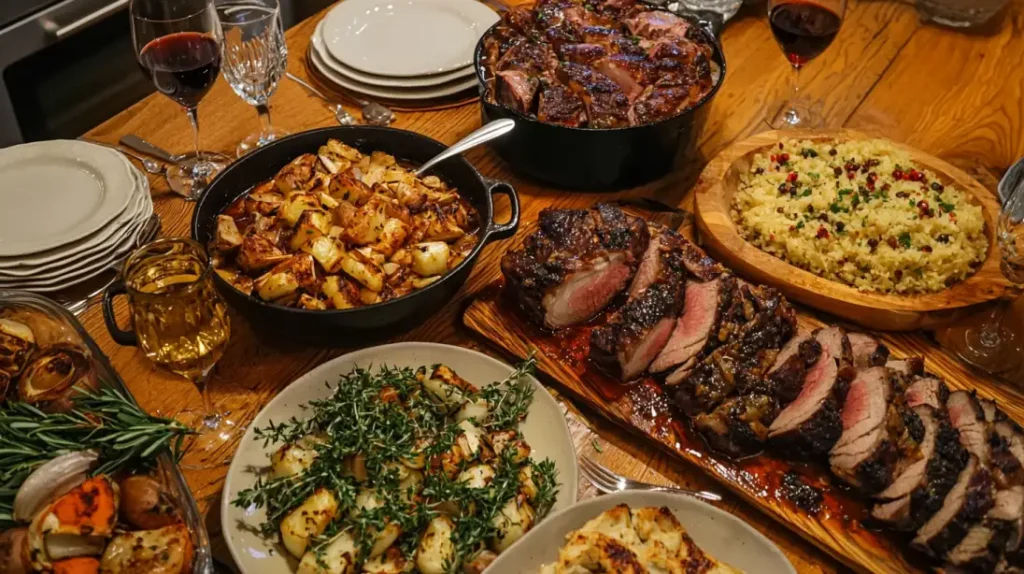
(569, 241)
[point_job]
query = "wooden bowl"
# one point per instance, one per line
(880, 311)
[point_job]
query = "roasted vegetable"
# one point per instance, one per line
(307, 520)
(339, 556)
(436, 550)
(17, 341)
(362, 216)
(145, 504)
(52, 372)
(165, 550)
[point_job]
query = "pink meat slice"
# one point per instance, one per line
(585, 293)
(693, 327)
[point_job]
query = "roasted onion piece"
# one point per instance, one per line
(53, 371)
(145, 504)
(17, 341)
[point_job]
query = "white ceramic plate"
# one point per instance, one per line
(77, 272)
(382, 81)
(544, 429)
(715, 531)
(55, 192)
(391, 93)
(406, 38)
(85, 272)
(98, 244)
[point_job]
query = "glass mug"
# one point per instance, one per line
(179, 320)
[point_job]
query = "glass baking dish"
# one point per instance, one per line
(52, 324)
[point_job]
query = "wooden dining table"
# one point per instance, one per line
(955, 94)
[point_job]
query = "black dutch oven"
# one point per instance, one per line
(600, 159)
(361, 324)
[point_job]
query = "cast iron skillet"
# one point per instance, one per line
(362, 323)
(599, 159)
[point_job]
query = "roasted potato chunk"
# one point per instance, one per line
(307, 520)
(296, 205)
(313, 224)
(298, 175)
(228, 237)
(266, 199)
(341, 293)
(346, 187)
(258, 253)
(166, 550)
(236, 280)
(327, 252)
(367, 223)
(430, 258)
(363, 270)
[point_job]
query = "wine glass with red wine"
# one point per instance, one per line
(178, 48)
(804, 29)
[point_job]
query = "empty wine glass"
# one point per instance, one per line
(255, 57)
(176, 42)
(990, 345)
(804, 29)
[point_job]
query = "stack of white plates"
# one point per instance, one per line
(401, 50)
(69, 210)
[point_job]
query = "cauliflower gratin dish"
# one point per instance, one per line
(342, 229)
(641, 541)
(404, 471)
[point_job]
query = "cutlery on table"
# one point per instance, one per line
(373, 113)
(483, 134)
(607, 481)
(142, 146)
(147, 233)
(148, 164)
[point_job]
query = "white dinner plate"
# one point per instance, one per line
(119, 246)
(55, 192)
(715, 531)
(406, 37)
(409, 94)
(100, 265)
(544, 429)
(382, 81)
(112, 234)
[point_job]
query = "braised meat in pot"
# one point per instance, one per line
(598, 65)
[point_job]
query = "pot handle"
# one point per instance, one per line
(502, 230)
(120, 336)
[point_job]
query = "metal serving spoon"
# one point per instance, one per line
(485, 133)
(144, 147)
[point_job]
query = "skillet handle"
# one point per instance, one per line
(502, 230)
(710, 20)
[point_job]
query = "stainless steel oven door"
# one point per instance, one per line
(65, 69)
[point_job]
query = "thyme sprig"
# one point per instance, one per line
(104, 420)
(384, 416)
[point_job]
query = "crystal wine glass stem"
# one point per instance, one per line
(193, 118)
(264, 111)
(794, 95)
(211, 420)
(990, 331)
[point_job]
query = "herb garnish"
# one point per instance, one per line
(386, 416)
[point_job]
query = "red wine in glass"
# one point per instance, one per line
(183, 66)
(803, 29)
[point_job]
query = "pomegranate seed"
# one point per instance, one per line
(781, 146)
(792, 177)
(892, 242)
(822, 232)
(927, 249)
(916, 175)
(850, 166)
(773, 158)
(897, 174)
(936, 186)
(784, 158)
(922, 205)
(872, 178)
(832, 152)
(851, 175)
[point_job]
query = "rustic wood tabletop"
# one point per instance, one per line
(954, 94)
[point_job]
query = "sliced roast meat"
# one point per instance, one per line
(635, 334)
(911, 367)
(650, 264)
(738, 426)
(986, 542)
(918, 492)
(574, 264)
(1007, 445)
(791, 366)
(864, 439)
(698, 263)
(694, 332)
(559, 105)
(606, 104)
(867, 351)
(966, 503)
(835, 341)
(991, 411)
(967, 417)
(654, 24)
(811, 424)
(742, 364)
(927, 390)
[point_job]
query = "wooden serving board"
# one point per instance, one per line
(888, 312)
(838, 527)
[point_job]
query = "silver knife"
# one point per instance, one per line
(142, 146)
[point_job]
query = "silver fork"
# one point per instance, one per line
(607, 481)
(148, 232)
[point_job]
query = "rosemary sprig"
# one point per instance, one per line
(104, 420)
